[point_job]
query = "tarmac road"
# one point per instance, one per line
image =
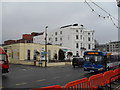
(21, 76)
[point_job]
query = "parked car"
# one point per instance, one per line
(77, 61)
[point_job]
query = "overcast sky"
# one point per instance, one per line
(21, 18)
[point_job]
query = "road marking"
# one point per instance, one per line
(20, 84)
(41, 80)
(24, 69)
(56, 77)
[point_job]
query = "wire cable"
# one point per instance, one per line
(109, 16)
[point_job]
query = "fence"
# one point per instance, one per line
(78, 84)
(54, 87)
(92, 83)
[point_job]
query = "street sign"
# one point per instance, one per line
(43, 53)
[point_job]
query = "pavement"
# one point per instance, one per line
(26, 62)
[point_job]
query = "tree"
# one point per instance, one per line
(61, 55)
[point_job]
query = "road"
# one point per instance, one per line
(26, 77)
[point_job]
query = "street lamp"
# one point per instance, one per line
(118, 4)
(46, 46)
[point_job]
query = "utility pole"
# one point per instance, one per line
(118, 4)
(46, 46)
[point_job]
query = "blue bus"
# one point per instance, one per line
(97, 61)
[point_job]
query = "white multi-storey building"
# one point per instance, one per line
(75, 37)
(40, 38)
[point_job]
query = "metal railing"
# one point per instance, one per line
(111, 80)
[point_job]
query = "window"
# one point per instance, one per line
(55, 33)
(88, 33)
(6, 50)
(55, 39)
(28, 54)
(77, 54)
(89, 46)
(81, 44)
(35, 57)
(60, 39)
(76, 30)
(77, 46)
(60, 32)
(3, 57)
(81, 37)
(77, 37)
(92, 39)
(88, 38)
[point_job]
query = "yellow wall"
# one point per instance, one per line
(13, 51)
(19, 50)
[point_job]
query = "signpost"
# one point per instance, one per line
(46, 46)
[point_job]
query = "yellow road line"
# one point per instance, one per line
(41, 80)
(21, 83)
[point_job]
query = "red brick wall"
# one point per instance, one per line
(8, 42)
(27, 37)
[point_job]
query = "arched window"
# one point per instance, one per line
(28, 54)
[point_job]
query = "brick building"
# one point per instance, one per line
(26, 38)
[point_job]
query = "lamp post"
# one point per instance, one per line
(46, 46)
(118, 4)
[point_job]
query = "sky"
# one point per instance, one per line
(25, 17)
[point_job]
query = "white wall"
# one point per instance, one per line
(69, 38)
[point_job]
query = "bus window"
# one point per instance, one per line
(2, 57)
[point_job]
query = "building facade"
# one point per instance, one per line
(26, 38)
(113, 47)
(75, 37)
(27, 51)
(39, 39)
